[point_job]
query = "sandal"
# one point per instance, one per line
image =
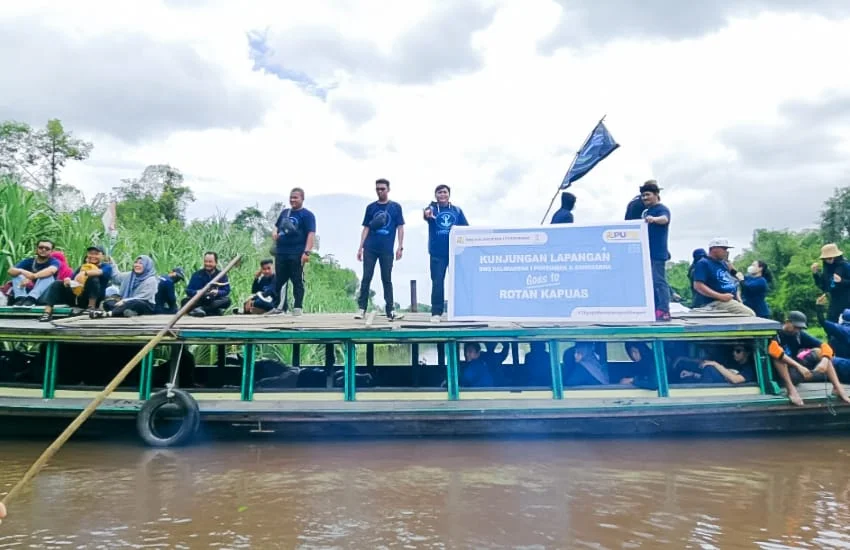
(96, 313)
(45, 318)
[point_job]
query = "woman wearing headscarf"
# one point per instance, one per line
(754, 288)
(834, 280)
(589, 370)
(65, 271)
(138, 291)
(642, 371)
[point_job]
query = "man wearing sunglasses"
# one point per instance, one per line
(31, 277)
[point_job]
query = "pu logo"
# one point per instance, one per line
(621, 236)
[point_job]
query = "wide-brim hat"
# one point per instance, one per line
(830, 250)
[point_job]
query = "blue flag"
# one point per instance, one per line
(599, 145)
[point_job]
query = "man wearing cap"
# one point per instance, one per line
(166, 296)
(834, 280)
(715, 288)
(657, 217)
(784, 350)
(84, 290)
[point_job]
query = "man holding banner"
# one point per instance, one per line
(657, 217)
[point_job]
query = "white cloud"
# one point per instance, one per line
(381, 95)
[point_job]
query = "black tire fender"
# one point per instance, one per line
(147, 415)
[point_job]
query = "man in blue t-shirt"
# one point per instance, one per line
(441, 216)
(383, 219)
(657, 217)
(294, 233)
(715, 288)
(94, 276)
(39, 270)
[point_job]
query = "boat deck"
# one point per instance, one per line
(335, 326)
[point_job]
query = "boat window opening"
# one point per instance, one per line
(299, 367)
(82, 366)
(711, 363)
(505, 366)
(22, 364)
(399, 366)
(608, 365)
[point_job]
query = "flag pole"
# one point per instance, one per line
(575, 157)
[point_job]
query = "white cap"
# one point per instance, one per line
(719, 243)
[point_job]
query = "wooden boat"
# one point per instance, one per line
(359, 395)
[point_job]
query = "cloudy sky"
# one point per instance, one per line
(740, 108)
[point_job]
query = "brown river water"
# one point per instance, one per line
(769, 493)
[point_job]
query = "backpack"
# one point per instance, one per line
(286, 227)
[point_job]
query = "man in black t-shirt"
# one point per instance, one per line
(294, 233)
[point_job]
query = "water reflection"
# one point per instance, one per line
(768, 493)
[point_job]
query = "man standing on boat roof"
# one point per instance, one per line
(294, 233)
(382, 220)
(657, 217)
(217, 299)
(715, 288)
(441, 216)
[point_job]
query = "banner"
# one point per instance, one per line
(597, 273)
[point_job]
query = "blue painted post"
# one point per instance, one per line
(350, 371)
(555, 366)
(661, 368)
(452, 371)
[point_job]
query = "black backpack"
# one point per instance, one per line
(286, 227)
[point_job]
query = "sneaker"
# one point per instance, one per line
(130, 313)
(96, 314)
(45, 318)
(435, 319)
(28, 302)
(360, 314)
(393, 316)
(662, 316)
(198, 312)
(274, 311)
(297, 312)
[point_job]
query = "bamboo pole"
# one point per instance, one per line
(101, 397)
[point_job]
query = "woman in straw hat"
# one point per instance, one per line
(833, 279)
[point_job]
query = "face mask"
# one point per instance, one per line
(752, 270)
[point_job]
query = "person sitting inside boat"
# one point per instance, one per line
(85, 288)
(166, 296)
(715, 287)
(217, 299)
(138, 291)
(741, 368)
(784, 350)
(476, 372)
(262, 297)
(32, 277)
(537, 366)
(588, 369)
(642, 371)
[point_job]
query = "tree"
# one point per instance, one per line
(250, 219)
(37, 157)
(158, 196)
(835, 217)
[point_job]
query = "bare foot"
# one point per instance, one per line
(842, 396)
(795, 399)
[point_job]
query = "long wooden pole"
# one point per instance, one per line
(111, 387)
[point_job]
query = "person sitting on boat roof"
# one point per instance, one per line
(31, 277)
(441, 215)
(138, 291)
(755, 286)
(64, 269)
(217, 299)
(166, 296)
(588, 370)
(565, 213)
(476, 372)
(657, 217)
(263, 289)
(784, 349)
(834, 280)
(715, 288)
(740, 369)
(84, 289)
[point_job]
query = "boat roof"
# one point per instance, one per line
(338, 327)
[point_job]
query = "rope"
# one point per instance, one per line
(101, 397)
